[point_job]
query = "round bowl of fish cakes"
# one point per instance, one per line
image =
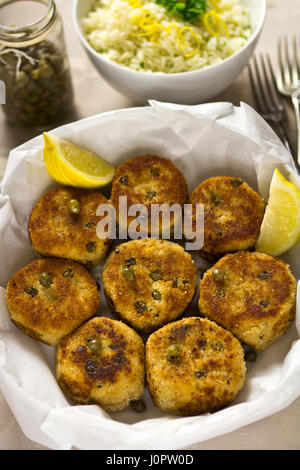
(49, 298)
(63, 224)
(194, 366)
(233, 213)
(148, 180)
(251, 294)
(149, 282)
(102, 362)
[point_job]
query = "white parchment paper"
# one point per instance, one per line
(205, 140)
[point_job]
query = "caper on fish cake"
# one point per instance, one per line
(49, 298)
(147, 180)
(251, 294)
(63, 224)
(233, 213)
(102, 362)
(149, 282)
(194, 366)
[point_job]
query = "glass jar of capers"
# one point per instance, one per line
(34, 65)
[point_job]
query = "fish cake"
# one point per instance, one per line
(251, 294)
(149, 282)
(233, 213)
(147, 180)
(194, 366)
(63, 225)
(102, 362)
(49, 298)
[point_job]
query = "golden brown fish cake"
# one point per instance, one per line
(149, 282)
(194, 366)
(233, 213)
(102, 362)
(149, 179)
(56, 229)
(49, 298)
(251, 294)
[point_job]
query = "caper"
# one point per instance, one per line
(91, 247)
(128, 274)
(221, 293)
(236, 182)
(130, 262)
(119, 359)
(265, 303)
(155, 172)
(215, 199)
(139, 406)
(31, 291)
(250, 356)
(156, 295)
(173, 353)
(200, 374)
(151, 194)
(263, 275)
(156, 275)
(68, 273)
(74, 206)
(140, 306)
(46, 71)
(218, 275)
(217, 346)
(124, 180)
(95, 346)
(91, 367)
(45, 280)
(90, 225)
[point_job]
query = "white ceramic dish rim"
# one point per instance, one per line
(116, 66)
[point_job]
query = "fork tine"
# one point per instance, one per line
(281, 75)
(260, 85)
(276, 96)
(269, 95)
(296, 62)
(288, 68)
(257, 96)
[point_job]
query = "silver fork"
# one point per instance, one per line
(268, 100)
(288, 77)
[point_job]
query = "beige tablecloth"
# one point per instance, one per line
(93, 95)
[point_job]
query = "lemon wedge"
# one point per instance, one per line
(280, 229)
(71, 165)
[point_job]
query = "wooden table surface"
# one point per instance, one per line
(93, 95)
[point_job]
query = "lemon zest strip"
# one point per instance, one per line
(151, 26)
(211, 19)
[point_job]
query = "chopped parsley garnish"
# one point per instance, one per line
(189, 10)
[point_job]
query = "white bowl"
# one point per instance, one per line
(184, 88)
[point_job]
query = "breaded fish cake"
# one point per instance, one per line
(194, 366)
(149, 179)
(63, 224)
(251, 294)
(49, 298)
(233, 213)
(149, 282)
(102, 362)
